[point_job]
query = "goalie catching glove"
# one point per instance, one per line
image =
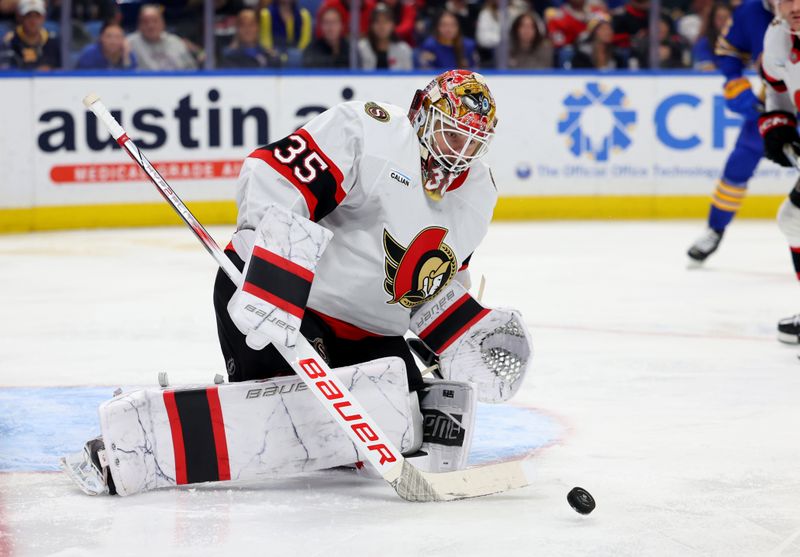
(779, 128)
(269, 306)
(488, 347)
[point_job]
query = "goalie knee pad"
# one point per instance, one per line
(789, 221)
(165, 437)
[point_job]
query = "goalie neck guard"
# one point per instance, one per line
(454, 118)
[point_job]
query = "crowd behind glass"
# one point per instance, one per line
(390, 35)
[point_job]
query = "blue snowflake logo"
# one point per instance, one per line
(597, 122)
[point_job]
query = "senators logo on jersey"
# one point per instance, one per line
(416, 273)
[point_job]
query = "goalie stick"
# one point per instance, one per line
(409, 482)
(789, 153)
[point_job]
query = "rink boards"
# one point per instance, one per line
(577, 145)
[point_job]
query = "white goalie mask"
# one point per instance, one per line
(454, 117)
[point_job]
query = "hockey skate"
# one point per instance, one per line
(89, 469)
(789, 329)
(704, 246)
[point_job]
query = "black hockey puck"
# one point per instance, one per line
(581, 500)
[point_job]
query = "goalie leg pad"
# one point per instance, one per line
(158, 438)
(448, 417)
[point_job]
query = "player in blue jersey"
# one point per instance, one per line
(739, 46)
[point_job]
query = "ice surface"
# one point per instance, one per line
(677, 407)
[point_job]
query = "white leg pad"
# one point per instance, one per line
(158, 438)
(789, 222)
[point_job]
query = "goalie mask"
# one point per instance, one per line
(454, 117)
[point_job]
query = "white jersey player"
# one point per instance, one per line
(778, 126)
(353, 230)
(407, 202)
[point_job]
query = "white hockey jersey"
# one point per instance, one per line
(780, 67)
(355, 170)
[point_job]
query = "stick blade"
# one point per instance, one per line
(422, 487)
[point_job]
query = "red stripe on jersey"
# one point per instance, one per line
(460, 179)
(774, 82)
(283, 263)
(218, 426)
(334, 170)
(342, 329)
(795, 249)
(286, 172)
(177, 437)
(280, 303)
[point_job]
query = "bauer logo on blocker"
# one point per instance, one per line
(597, 122)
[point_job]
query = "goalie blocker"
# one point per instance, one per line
(164, 437)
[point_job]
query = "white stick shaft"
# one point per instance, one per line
(788, 150)
(94, 103)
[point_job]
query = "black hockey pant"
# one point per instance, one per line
(243, 363)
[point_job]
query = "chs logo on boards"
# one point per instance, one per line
(597, 122)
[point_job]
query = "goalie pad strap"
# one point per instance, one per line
(198, 435)
(278, 281)
(452, 323)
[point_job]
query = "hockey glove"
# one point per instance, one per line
(269, 306)
(488, 347)
(779, 128)
(739, 98)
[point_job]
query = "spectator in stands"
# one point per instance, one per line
(596, 47)
(8, 11)
(87, 10)
(673, 52)
(110, 52)
(565, 24)
(245, 50)
(30, 46)
(343, 7)
(155, 48)
(404, 14)
(186, 19)
(285, 26)
(447, 48)
(703, 51)
(331, 50)
(466, 13)
(381, 49)
(529, 47)
(87, 18)
(488, 30)
(630, 23)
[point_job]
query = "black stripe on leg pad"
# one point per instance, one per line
(198, 436)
